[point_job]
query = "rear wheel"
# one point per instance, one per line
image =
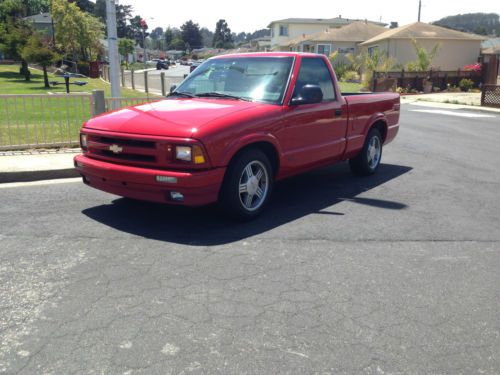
(368, 160)
(247, 185)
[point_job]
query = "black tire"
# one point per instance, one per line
(235, 201)
(364, 163)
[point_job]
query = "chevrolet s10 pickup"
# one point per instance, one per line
(232, 128)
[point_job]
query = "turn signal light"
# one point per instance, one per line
(198, 157)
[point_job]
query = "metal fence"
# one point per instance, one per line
(115, 103)
(42, 120)
(29, 121)
(490, 96)
(148, 81)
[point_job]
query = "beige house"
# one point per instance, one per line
(282, 31)
(457, 48)
(342, 40)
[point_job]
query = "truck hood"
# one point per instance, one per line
(172, 117)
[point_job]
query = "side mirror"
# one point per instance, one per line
(309, 94)
(172, 88)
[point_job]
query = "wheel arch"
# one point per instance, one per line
(267, 144)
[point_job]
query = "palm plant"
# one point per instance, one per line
(424, 57)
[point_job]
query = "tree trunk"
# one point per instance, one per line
(45, 77)
(25, 70)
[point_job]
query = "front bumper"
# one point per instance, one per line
(198, 188)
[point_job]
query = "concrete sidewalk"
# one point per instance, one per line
(34, 165)
(452, 100)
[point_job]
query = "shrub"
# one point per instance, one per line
(351, 75)
(340, 69)
(465, 84)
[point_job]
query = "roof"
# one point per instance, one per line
(421, 30)
(40, 18)
(336, 21)
(268, 54)
(491, 43)
(491, 51)
(355, 32)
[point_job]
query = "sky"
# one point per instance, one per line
(251, 15)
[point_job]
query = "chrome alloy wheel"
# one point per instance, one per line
(374, 152)
(253, 185)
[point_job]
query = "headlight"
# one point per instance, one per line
(183, 153)
(190, 153)
(83, 141)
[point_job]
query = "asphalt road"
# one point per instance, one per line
(397, 273)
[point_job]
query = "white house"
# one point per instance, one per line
(282, 31)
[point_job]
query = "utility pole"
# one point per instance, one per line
(419, 9)
(113, 51)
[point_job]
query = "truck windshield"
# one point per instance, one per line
(248, 78)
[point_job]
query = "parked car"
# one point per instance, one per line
(162, 64)
(236, 125)
(194, 65)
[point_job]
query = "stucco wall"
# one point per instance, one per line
(453, 54)
(294, 30)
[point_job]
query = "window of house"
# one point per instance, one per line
(324, 49)
(283, 30)
(371, 50)
(313, 71)
(346, 50)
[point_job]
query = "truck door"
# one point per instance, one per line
(314, 132)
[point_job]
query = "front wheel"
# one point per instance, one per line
(368, 160)
(247, 185)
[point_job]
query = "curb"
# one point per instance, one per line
(29, 176)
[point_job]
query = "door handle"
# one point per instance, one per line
(338, 112)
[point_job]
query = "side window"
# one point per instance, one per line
(313, 71)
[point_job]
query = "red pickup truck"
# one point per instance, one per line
(233, 127)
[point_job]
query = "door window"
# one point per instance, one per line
(313, 71)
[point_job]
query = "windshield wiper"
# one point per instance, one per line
(183, 94)
(214, 94)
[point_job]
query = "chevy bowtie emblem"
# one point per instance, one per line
(116, 149)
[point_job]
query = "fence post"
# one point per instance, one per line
(122, 72)
(98, 103)
(146, 81)
(162, 77)
(132, 79)
(374, 81)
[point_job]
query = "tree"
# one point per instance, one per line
(177, 44)
(190, 34)
(14, 32)
(126, 47)
(487, 23)
(36, 6)
(424, 57)
(222, 35)
(136, 30)
(375, 61)
(84, 5)
(123, 14)
(77, 33)
(157, 36)
(168, 36)
(207, 37)
(34, 51)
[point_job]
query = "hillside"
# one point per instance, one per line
(477, 23)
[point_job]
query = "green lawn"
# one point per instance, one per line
(349, 87)
(11, 82)
(46, 119)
